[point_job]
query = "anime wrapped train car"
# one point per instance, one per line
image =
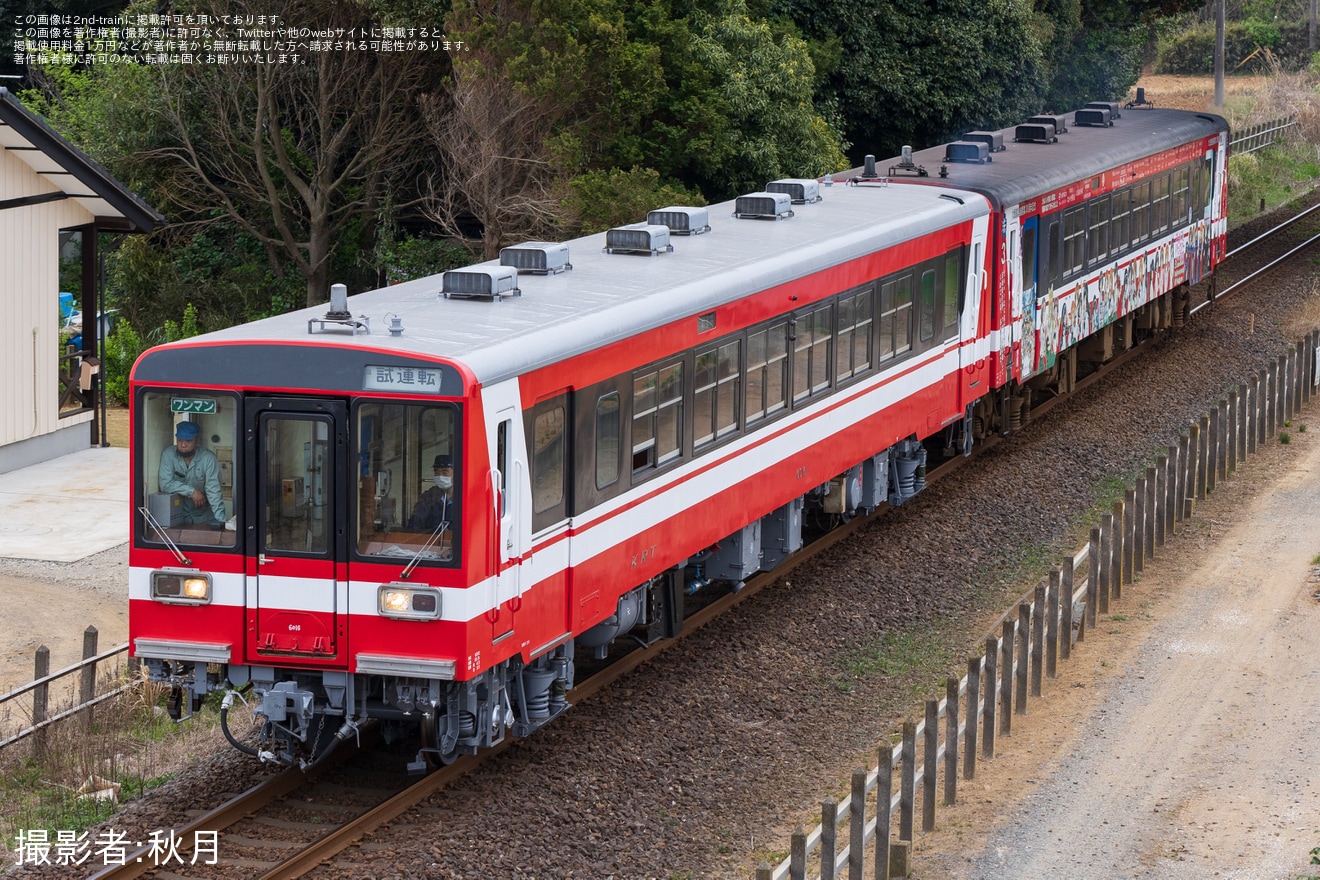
(421, 506)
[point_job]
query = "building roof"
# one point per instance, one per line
(72, 172)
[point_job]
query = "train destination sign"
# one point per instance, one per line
(202, 405)
(414, 379)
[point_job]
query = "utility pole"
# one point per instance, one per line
(1219, 53)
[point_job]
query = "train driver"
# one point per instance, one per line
(193, 474)
(436, 504)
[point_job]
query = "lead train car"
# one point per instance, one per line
(625, 428)
(622, 432)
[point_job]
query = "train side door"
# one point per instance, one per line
(297, 555)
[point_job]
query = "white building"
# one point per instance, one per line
(53, 202)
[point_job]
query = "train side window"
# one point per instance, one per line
(657, 422)
(1121, 215)
(1074, 238)
(1141, 212)
(895, 317)
(953, 291)
(767, 372)
(1205, 191)
(607, 440)
(1178, 217)
(1159, 204)
(853, 355)
(1029, 258)
(1097, 238)
(811, 352)
(927, 323)
(1054, 241)
(548, 455)
(717, 372)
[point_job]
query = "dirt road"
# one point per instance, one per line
(1183, 739)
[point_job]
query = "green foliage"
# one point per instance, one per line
(1275, 175)
(122, 349)
(1191, 52)
(409, 258)
(601, 200)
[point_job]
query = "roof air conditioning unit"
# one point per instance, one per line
(1035, 133)
(1060, 123)
(763, 206)
(1097, 117)
(992, 139)
(649, 239)
(967, 151)
(799, 191)
(537, 257)
(681, 220)
(490, 282)
(1112, 106)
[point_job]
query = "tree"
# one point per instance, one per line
(293, 152)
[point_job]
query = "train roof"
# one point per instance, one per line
(1024, 171)
(606, 298)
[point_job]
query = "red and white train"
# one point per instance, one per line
(628, 417)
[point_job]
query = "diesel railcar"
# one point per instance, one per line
(628, 418)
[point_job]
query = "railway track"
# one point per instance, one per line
(297, 858)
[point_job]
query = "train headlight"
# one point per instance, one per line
(408, 602)
(181, 587)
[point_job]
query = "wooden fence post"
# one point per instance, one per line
(1023, 635)
(1203, 457)
(1037, 621)
(797, 855)
(973, 716)
(1189, 484)
(1253, 414)
(1129, 534)
(884, 791)
(1138, 526)
(930, 765)
(990, 700)
(1152, 510)
(87, 686)
(1211, 422)
(1244, 420)
(1234, 432)
(829, 836)
(1221, 442)
(1116, 572)
(1066, 589)
(1007, 644)
(40, 695)
(951, 741)
(1106, 560)
(1093, 574)
(857, 826)
(908, 780)
(1052, 623)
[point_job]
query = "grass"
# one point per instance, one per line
(893, 655)
(131, 743)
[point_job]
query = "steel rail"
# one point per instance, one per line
(1267, 233)
(1270, 265)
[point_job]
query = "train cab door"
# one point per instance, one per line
(297, 572)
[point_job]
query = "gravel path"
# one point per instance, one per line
(701, 763)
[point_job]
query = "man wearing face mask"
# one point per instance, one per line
(437, 503)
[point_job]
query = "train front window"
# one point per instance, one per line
(409, 471)
(187, 493)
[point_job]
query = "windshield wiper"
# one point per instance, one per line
(160, 530)
(430, 542)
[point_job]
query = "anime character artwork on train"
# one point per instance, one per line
(434, 497)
